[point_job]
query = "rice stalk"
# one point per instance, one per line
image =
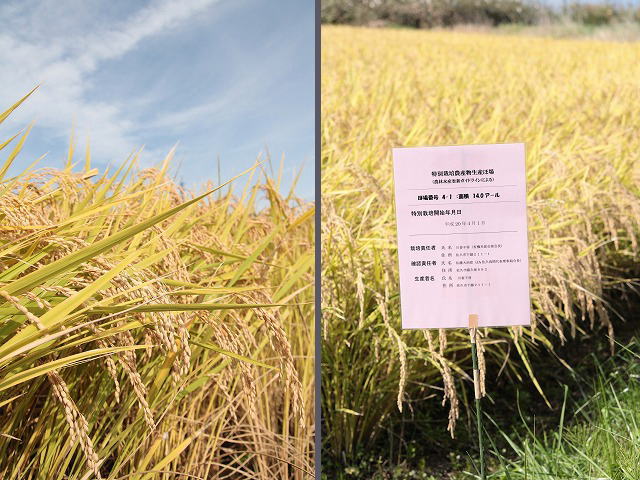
(144, 327)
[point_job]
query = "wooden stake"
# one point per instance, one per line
(473, 326)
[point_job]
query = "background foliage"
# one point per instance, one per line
(447, 13)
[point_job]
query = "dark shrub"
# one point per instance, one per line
(593, 13)
(357, 12)
(430, 13)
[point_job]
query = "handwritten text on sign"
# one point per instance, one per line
(462, 235)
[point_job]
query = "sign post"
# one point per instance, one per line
(473, 325)
(462, 241)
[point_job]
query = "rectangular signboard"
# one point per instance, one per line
(462, 235)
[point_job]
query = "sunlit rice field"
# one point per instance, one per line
(146, 332)
(575, 105)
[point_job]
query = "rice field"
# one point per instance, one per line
(573, 102)
(147, 331)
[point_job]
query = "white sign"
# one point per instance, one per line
(462, 235)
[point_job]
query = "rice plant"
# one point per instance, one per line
(149, 332)
(571, 101)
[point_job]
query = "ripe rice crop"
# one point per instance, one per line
(574, 104)
(146, 332)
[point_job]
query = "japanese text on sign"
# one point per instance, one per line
(462, 235)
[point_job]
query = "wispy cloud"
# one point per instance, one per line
(225, 78)
(63, 64)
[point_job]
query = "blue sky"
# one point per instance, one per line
(225, 79)
(560, 3)
(615, 2)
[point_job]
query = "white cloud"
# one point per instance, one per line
(149, 21)
(250, 80)
(63, 65)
